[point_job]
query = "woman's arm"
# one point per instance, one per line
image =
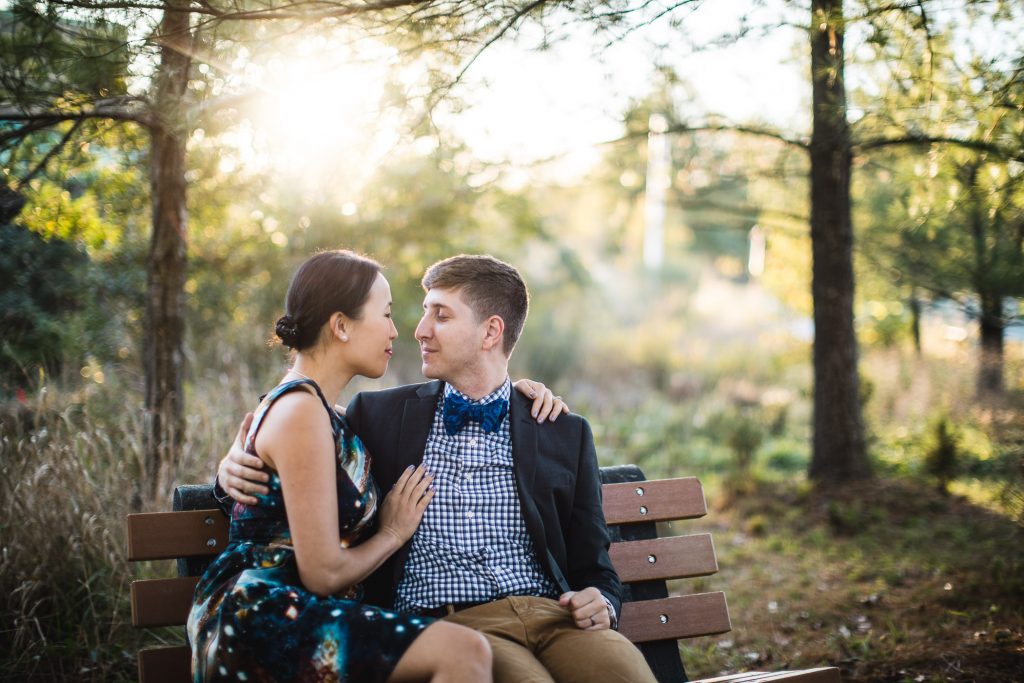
(297, 441)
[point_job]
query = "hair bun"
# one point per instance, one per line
(287, 330)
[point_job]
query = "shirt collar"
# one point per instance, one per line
(502, 392)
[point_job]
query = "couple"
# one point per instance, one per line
(510, 540)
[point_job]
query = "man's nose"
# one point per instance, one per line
(421, 329)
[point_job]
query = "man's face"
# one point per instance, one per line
(449, 335)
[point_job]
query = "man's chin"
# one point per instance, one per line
(429, 372)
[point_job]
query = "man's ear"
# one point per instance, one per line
(494, 332)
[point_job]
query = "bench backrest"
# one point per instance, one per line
(196, 531)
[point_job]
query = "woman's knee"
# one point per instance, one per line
(465, 643)
(477, 647)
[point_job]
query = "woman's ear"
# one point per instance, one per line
(339, 326)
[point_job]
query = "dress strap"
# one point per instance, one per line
(277, 392)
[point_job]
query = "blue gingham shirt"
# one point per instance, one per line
(472, 545)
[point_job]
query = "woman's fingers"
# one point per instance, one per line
(410, 479)
(239, 495)
(243, 430)
(526, 387)
(422, 486)
(245, 476)
(403, 480)
(546, 400)
(425, 499)
(547, 406)
(559, 407)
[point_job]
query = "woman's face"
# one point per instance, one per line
(370, 338)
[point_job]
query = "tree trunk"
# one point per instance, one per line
(915, 320)
(838, 453)
(165, 300)
(990, 368)
(991, 324)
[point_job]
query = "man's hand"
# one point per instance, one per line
(239, 473)
(587, 608)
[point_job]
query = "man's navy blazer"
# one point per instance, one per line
(556, 476)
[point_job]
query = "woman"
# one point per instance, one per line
(281, 603)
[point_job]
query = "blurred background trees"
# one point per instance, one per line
(164, 74)
(168, 166)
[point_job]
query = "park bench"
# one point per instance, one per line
(197, 530)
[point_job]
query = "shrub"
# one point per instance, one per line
(942, 454)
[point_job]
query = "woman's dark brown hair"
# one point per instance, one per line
(325, 283)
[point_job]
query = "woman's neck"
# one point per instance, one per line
(331, 380)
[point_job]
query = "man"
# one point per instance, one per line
(514, 542)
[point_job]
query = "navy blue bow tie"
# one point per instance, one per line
(458, 411)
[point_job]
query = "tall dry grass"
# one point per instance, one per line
(70, 464)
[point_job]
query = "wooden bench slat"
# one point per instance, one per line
(684, 616)
(828, 674)
(170, 535)
(653, 501)
(672, 557)
(825, 674)
(162, 602)
(171, 664)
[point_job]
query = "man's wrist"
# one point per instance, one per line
(612, 616)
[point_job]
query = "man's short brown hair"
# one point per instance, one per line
(489, 286)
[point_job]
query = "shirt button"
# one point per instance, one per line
(468, 477)
(472, 442)
(470, 514)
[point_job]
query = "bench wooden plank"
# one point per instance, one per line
(672, 557)
(162, 602)
(653, 501)
(828, 674)
(685, 616)
(171, 664)
(170, 535)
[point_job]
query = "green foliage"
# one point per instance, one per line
(41, 283)
(939, 221)
(46, 53)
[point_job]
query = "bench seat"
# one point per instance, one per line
(195, 531)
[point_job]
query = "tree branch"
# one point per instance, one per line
(502, 30)
(312, 10)
(722, 127)
(916, 140)
(49, 155)
(132, 109)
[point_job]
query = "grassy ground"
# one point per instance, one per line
(889, 580)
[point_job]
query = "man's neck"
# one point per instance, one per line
(477, 385)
